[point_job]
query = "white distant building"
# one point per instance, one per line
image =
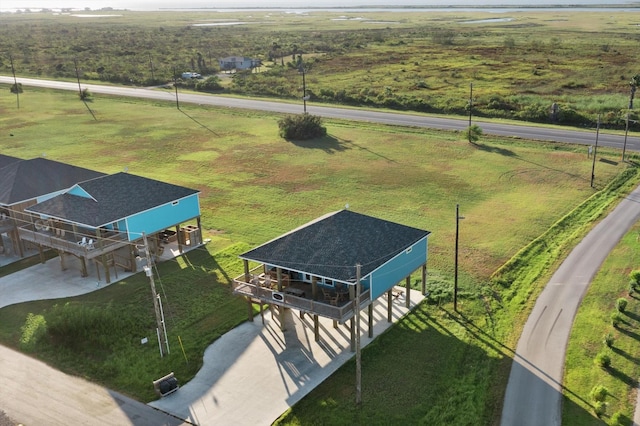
(238, 63)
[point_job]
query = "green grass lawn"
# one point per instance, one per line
(591, 325)
(255, 186)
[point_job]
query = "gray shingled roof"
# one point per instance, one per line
(114, 197)
(331, 246)
(5, 160)
(27, 179)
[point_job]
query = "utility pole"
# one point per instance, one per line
(626, 132)
(455, 273)
(595, 152)
(151, 64)
(82, 96)
(15, 81)
(470, 103)
(160, 327)
(75, 63)
(358, 349)
(470, 110)
(175, 84)
(304, 88)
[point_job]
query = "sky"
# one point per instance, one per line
(181, 4)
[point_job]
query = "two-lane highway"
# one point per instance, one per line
(552, 133)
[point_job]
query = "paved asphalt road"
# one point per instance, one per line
(556, 133)
(534, 392)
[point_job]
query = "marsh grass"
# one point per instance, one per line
(410, 60)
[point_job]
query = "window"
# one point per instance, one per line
(175, 203)
(409, 250)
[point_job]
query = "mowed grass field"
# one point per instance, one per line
(255, 186)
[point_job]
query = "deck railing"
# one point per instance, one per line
(341, 312)
(6, 224)
(69, 243)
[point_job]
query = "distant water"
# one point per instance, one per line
(150, 5)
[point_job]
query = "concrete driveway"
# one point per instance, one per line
(32, 392)
(255, 372)
(253, 365)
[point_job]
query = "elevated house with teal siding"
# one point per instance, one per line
(99, 219)
(24, 183)
(315, 268)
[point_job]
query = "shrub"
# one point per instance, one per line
(599, 408)
(33, 329)
(616, 319)
(602, 360)
(301, 127)
(635, 276)
(609, 339)
(16, 88)
(473, 133)
(85, 94)
(619, 419)
(598, 393)
(621, 304)
(211, 84)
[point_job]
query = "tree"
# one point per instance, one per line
(473, 133)
(634, 83)
(16, 88)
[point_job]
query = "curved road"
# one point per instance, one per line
(554, 134)
(534, 392)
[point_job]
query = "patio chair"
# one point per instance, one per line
(90, 244)
(267, 281)
(83, 242)
(330, 296)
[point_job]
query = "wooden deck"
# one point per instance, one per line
(70, 242)
(298, 295)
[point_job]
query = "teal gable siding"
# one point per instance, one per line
(162, 217)
(365, 282)
(398, 268)
(76, 190)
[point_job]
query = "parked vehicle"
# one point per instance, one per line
(188, 75)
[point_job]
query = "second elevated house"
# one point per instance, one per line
(315, 268)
